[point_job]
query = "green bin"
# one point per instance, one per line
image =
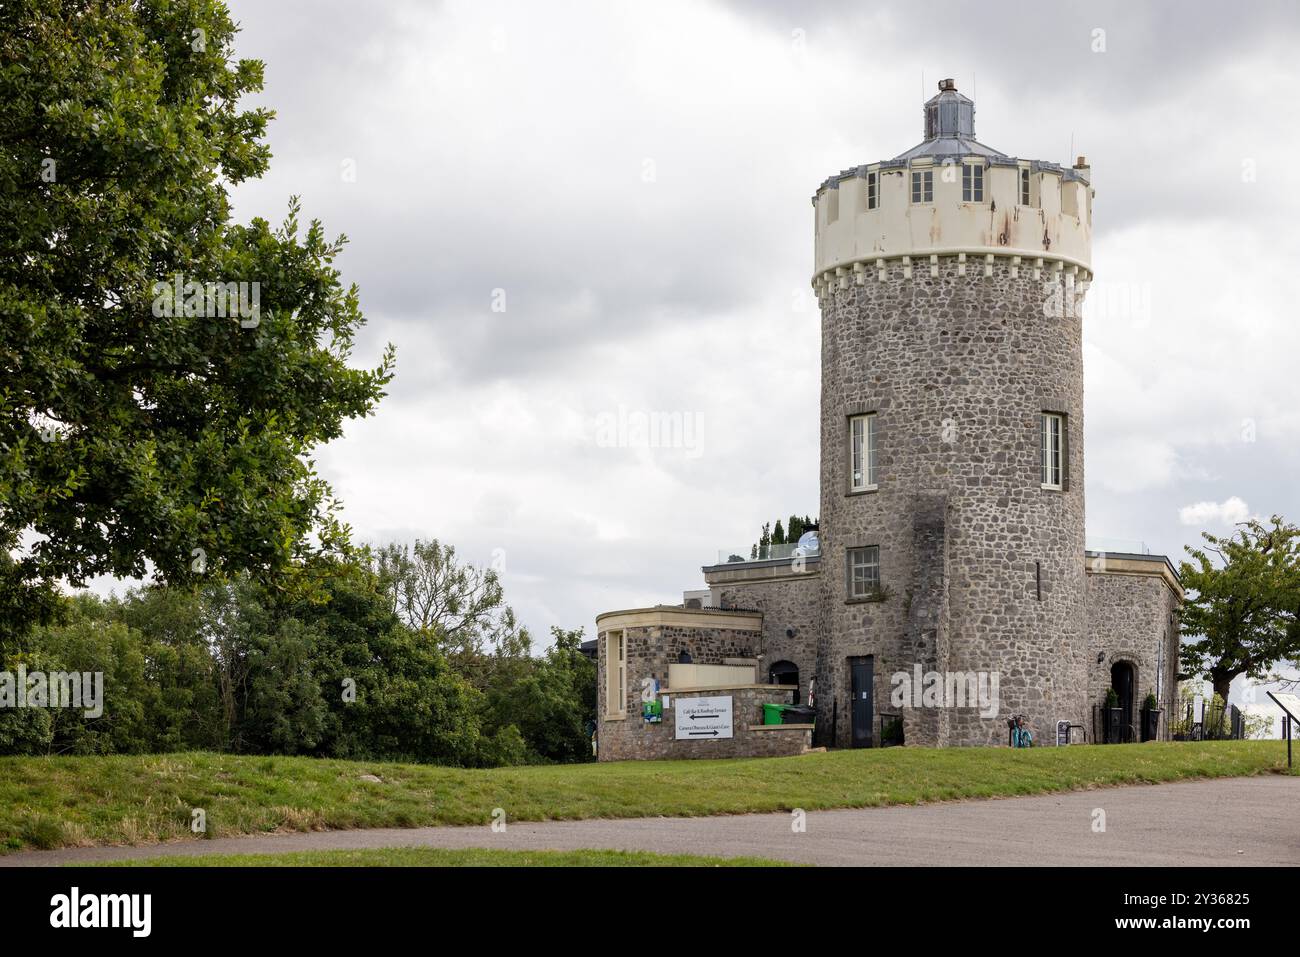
(772, 713)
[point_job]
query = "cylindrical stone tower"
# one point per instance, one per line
(952, 513)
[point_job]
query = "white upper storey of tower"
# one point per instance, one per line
(953, 196)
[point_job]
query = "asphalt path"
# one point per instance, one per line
(1227, 821)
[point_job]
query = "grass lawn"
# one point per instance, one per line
(445, 857)
(61, 801)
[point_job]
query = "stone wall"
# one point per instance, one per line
(1132, 618)
(792, 613)
(651, 649)
(957, 368)
(655, 638)
(634, 739)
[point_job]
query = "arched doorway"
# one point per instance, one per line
(1124, 681)
(785, 673)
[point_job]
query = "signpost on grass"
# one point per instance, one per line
(1290, 705)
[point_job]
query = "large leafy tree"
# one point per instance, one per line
(343, 677)
(552, 703)
(237, 666)
(138, 428)
(1242, 612)
(158, 689)
(458, 606)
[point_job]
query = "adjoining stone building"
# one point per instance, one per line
(725, 652)
(951, 536)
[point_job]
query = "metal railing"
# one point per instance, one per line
(786, 550)
(1216, 723)
(1116, 546)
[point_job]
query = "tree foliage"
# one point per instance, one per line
(329, 671)
(165, 375)
(458, 606)
(1242, 610)
(552, 701)
(787, 534)
(141, 432)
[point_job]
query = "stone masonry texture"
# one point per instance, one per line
(1133, 619)
(792, 620)
(982, 568)
(633, 739)
(649, 651)
(954, 319)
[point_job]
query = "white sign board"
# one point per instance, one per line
(1287, 702)
(703, 719)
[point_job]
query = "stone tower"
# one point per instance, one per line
(952, 514)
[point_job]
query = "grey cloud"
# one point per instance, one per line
(473, 174)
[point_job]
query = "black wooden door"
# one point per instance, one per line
(1121, 679)
(861, 674)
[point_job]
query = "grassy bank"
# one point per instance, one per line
(62, 801)
(448, 857)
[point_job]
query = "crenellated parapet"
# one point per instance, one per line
(1072, 277)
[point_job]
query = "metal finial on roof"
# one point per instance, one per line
(950, 137)
(949, 126)
(948, 113)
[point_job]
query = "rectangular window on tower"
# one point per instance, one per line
(863, 568)
(873, 190)
(923, 186)
(972, 183)
(1024, 186)
(862, 452)
(1052, 433)
(615, 675)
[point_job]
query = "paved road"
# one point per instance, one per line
(1232, 820)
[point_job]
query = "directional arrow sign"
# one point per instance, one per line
(703, 717)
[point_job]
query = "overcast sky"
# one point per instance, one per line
(631, 181)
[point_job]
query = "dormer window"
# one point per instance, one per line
(972, 183)
(873, 190)
(923, 186)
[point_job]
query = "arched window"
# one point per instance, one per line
(783, 673)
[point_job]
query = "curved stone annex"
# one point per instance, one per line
(951, 587)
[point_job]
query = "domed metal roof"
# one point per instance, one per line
(949, 136)
(949, 127)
